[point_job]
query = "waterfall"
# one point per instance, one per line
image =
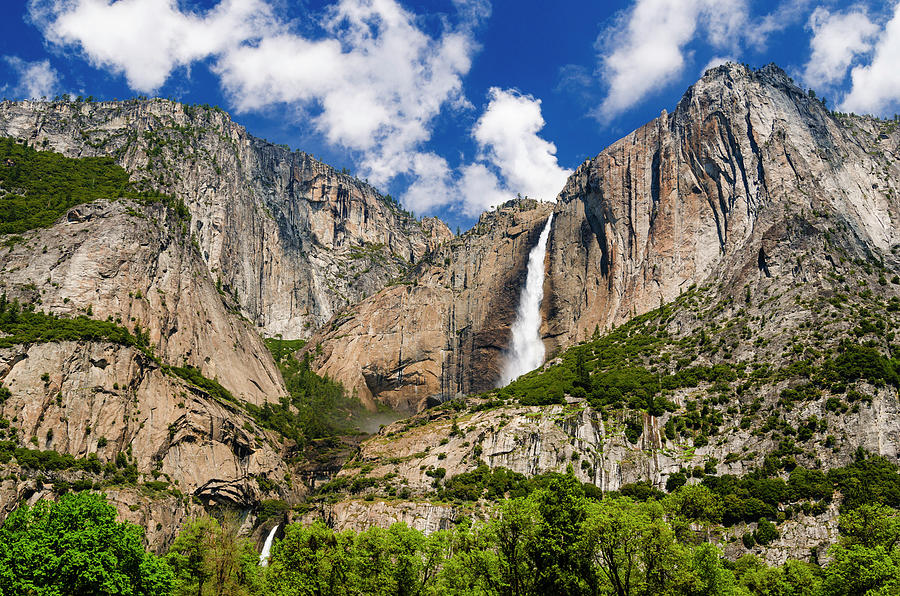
(527, 350)
(267, 547)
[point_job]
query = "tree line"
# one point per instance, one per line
(555, 540)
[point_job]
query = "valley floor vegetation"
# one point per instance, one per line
(555, 540)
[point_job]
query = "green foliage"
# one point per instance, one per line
(317, 407)
(75, 546)
(616, 370)
(269, 508)
(866, 560)
(37, 187)
(868, 480)
(765, 532)
(496, 484)
(315, 560)
(47, 460)
(24, 325)
(556, 540)
(634, 427)
(861, 362)
(553, 541)
(283, 348)
(193, 376)
(209, 559)
(484, 482)
(794, 578)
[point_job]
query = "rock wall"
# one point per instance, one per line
(442, 330)
(360, 515)
(133, 264)
(105, 399)
(704, 192)
(289, 237)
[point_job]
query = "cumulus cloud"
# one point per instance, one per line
(649, 45)
(645, 48)
(786, 14)
(512, 159)
(507, 135)
(876, 86)
(146, 39)
(36, 79)
(377, 80)
(837, 39)
(371, 81)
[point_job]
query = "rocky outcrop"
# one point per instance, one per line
(94, 398)
(704, 193)
(718, 190)
(290, 238)
(443, 329)
(133, 264)
(359, 515)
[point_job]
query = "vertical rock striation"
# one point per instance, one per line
(704, 191)
(442, 330)
(292, 239)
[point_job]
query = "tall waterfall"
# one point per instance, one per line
(267, 547)
(527, 350)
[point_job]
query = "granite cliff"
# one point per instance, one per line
(442, 330)
(707, 192)
(292, 239)
(722, 296)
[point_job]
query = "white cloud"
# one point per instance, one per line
(649, 45)
(36, 79)
(372, 81)
(146, 39)
(645, 48)
(785, 15)
(837, 39)
(507, 134)
(432, 186)
(513, 159)
(876, 86)
(481, 189)
(377, 80)
(716, 61)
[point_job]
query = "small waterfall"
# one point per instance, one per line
(267, 547)
(527, 350)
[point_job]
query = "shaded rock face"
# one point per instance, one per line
(133, 264)
(704, 193)
(444, 329)
(290, 238)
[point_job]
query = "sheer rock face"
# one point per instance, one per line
(360, 515)
(444, 329)
(289, 237)
(704, 193)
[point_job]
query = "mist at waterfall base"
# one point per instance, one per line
(526, 351)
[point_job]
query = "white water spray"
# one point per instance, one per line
(267, 547)
(527, 350)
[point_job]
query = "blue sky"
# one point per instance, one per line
(450, 105)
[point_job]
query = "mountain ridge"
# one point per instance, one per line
(713, 281)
